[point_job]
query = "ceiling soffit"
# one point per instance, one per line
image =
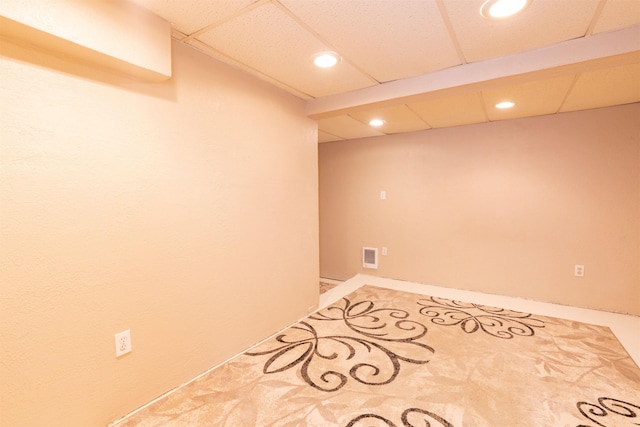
(601, 51)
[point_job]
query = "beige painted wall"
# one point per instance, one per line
(186, 211)
(505, 207)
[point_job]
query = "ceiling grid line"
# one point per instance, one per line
(452, 34)
(596, 17)
(483, 104)
(419, 116)
(568, 93)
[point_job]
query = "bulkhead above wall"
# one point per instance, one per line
(118, 36)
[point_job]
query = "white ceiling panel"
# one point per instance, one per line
(208, 50)
(269, 40)
(451, 111)
(387, 39)
(532, 99)
(397, 119)
(618, 14)
(347, 127)
(601, 88)
(192, 15)
(543, 23)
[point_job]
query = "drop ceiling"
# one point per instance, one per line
(422, 64)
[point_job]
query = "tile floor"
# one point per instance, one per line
(625, 327)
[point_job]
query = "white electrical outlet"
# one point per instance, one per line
(123, 342)
(578, 270)
(384, 250)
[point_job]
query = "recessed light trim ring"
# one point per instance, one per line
(326, 59)
(500, 9)
(505, 104)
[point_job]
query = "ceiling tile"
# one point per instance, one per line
(532, 99)
(271, 42)
(327, 137)
(208, 50)
(602, 88)
(398, 119)
(190, 16)
(543, 23)
(346, 127)
(451, 111)
(618, 14)
(389, 40)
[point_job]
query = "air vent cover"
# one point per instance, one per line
(370, 257)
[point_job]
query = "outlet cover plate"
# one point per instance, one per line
(123, 342)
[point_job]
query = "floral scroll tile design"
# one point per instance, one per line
(609, 412)
(497, 322)
(348, 341)
(412, 417)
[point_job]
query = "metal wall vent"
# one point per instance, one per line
(370, 257)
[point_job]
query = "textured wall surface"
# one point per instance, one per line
(505, 207)
(186, 211)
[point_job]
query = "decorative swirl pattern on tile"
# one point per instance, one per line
(424, 417)
(612, 410)
(373, 356)
(365, 319)
(471, 317)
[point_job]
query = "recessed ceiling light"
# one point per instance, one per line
(326, 59)
(376, 122)
(505, 104)
(497, 9)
